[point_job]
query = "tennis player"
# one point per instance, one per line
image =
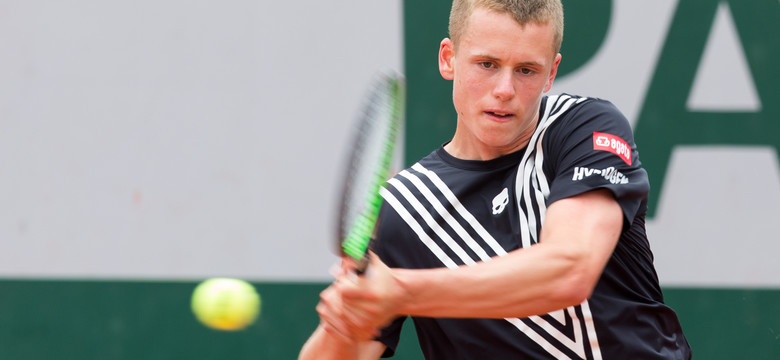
(521, 238)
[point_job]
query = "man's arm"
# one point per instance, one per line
(578, 237)
(327, 342)
(323, 345)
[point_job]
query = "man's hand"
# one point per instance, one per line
(370, 301)
(335, 337)
(331, 312)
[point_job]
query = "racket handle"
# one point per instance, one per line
(362, 265)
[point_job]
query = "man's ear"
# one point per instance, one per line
(446, 59)
(553, 72)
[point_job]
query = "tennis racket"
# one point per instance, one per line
(368, 165)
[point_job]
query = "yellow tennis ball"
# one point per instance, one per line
(226, 304)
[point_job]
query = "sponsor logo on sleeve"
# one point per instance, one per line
(613, 144)
(610, 174)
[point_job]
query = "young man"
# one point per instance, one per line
(521, 238)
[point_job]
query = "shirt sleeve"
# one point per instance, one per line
(592, 147)
(390, 336)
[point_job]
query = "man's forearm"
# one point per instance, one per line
(577, 240)
(324, 346)
(494, 290)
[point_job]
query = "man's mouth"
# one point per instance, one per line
(499, 114)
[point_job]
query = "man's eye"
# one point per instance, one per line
(526, 71)
(486, 64)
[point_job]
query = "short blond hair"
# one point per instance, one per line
(523, 11)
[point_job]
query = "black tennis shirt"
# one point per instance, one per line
(443, 211)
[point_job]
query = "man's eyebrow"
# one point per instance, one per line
(493, 58)
(488, 57)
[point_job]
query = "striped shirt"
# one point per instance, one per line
(448, 212)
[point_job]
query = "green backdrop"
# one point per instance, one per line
(131, 320)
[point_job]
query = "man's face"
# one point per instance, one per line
(500, 71)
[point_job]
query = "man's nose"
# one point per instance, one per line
(504, 88)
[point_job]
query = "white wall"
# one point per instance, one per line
(179, 138)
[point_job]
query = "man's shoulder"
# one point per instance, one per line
(570, 112)
(567, 103)
(433, 159)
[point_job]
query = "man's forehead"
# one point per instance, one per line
(488, 25)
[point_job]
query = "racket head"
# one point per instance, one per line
(368, 164)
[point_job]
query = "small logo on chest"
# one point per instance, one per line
(500, 201)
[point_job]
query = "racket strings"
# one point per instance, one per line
(369, 164)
